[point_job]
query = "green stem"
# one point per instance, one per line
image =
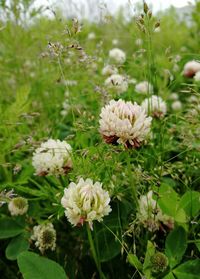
(94, 254)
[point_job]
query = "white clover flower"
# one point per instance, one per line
(154, 106)
(44, 236)
(191, 68)
(176, 105)
(124, 123)
(192, 99)
(197, 76)
(174, 96)
(150, 215)
(109, 70)
(18, 206)
(183, 49)
(91, 36)
(67, 61)
(117, 82)
(85, 202)
(115, 42)
(144, 87)
(53, 157)
(117, 55)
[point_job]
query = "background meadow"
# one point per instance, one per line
(52, 87)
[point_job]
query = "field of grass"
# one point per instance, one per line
(98, 179)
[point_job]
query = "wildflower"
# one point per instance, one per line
(191, 68)
(18, 206)
(115, 42)
(91, 36)
(154, 106)
(117, 82)
(183, 49)
(192, 99)
(109, 70)
(117, 55)
(174, 96)
(53, 157)
(44, 236)
(144, 87)
(124, 123)
(150, 215)
(159, 262)
(176, 105)
(85, 202)
(197, 76)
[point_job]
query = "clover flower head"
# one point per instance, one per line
(144, 87)
(85, 202)
(18, 206)
(173, 96)
(197, 76)
(53, 157)
(109, 70)
(150, 215)
(124, 123)
(91, 36)
(117, 82)
(117, 55)
(155, 106)
(115, 42)
(176, 105)
(44, 236)
(191, 68)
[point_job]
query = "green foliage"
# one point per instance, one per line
(17, 245)
(32, 266)
(175, 246)
(189, 202)
(133, 260)
(10, 228)
(189, 269)
(169, 203)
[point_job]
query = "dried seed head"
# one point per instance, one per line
(149, 14)
(168, 50)
(146, 8)
(157, 24)
(141, 20)
(76, 27)
(141, 27)
(159, 262)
